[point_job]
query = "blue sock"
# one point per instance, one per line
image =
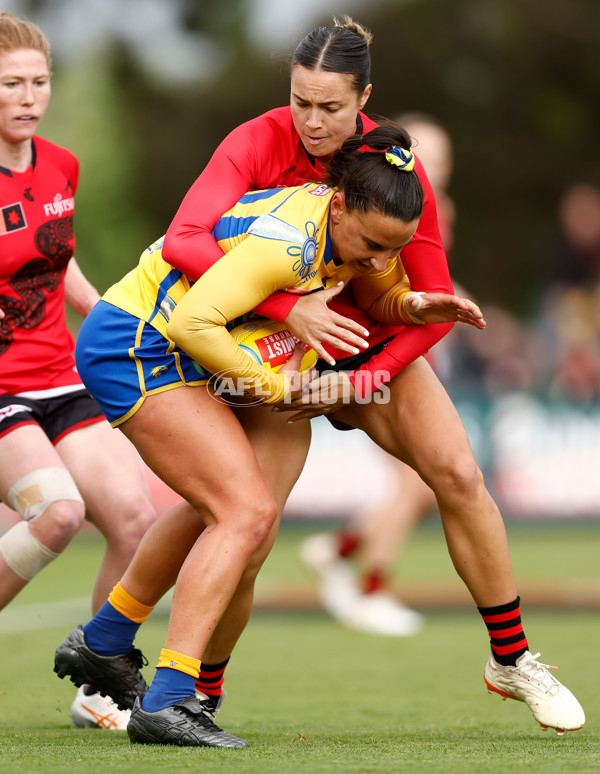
(110, 632)
(168, 686)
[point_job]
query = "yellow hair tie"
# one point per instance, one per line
(400, 157)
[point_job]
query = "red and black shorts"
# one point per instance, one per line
(57, 416)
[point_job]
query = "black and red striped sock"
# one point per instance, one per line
(507, 638)
(211, 677)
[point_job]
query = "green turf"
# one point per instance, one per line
(310, 696)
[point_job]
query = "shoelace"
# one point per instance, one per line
(209, 705)
(207, 722)
(535, 670)
(203, 719)
(137, 658)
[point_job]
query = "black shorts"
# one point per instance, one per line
(57, 416)
(349, 364)
(352, 362)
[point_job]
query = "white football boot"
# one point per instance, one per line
(382, 613)
(319, 552)
(552, 705)
(90, 710)
(338, 589)
(376, 613)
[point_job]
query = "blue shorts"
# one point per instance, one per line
(122, 359)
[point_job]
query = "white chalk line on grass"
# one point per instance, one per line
(50, 615)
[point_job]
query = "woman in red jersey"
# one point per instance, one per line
(330, 85)
(61, 461)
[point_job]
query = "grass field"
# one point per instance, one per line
(312, 697)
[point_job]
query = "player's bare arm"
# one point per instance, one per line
(80, 294)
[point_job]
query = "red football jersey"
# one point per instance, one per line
(36, 244)
(266, 152)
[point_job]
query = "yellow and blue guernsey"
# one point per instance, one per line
(275, 239)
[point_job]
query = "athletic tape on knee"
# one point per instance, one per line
(23, 553)
(33, 493)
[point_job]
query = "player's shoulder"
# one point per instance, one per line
(56, 153)
(58, 156)
(274, 126)
(280, 117)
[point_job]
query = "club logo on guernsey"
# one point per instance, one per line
(59, 205)
(304, 247)
(307, 252)
(14, 408)
(12, 218)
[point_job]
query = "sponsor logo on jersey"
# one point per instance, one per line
(12, 218)
(320, 190)
(59, 205)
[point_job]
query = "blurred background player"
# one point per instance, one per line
(568, 320)
(61, 461)
(355, 564)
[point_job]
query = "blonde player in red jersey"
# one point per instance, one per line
(61, 462)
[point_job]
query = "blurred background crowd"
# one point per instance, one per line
(148, 88)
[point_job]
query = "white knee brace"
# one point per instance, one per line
(33, 493)
(23, 553)
(30, 497)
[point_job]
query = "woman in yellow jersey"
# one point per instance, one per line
(138, 353)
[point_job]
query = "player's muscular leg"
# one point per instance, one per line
(420, 426)
(109, 475)
(281, 450)
(220, 477)
(172, 537)
(34, 482)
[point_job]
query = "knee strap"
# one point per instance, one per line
(33, 493)
(23, 553)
